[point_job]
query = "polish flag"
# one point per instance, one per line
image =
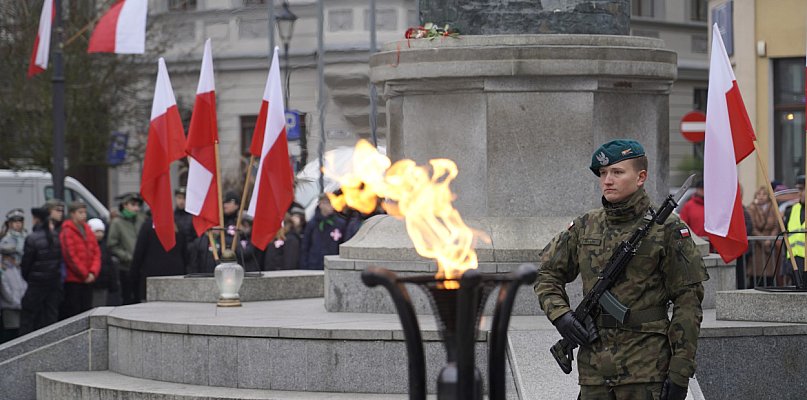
(39, 57)
(166, 143)
(202, 198)
(729, 139)
(122, 29)
(274, 186)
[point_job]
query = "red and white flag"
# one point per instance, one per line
(729, 139)
(166, 143)
(274, 186)
(202, 198)
(122, 29)
(39, 57)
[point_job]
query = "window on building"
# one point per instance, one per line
(385, 20)
(642, 8)
(182, 5)
(699, 10)
(788, 118)
(340, 20)
(699, 97)
(248, 123)
(253, 28)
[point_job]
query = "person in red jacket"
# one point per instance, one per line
(82, 259)
(692, 211)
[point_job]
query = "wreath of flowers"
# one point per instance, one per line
(431, 31)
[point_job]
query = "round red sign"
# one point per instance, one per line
(693, 126)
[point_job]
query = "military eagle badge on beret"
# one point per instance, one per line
(602, 158)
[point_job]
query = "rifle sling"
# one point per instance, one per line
(605, 320)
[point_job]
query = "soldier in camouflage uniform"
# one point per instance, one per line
(651, 356)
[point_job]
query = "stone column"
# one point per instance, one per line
(521, 116)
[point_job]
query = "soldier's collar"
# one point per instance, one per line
(632, 208)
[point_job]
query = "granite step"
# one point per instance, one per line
(113, 386)
(269, 285)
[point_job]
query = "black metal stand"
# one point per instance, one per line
(457, 312)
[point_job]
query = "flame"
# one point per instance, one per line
(418, 194)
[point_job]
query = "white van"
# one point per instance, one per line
(27, 189)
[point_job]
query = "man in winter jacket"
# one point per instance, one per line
(122, 238)
(323, 235)
(82, 259)
(42, 269)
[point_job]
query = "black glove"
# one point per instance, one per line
(671, 391)
(571, 329)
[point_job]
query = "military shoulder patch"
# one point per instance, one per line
(684, 232)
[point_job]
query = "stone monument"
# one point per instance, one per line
(520, 114)
(496, 17)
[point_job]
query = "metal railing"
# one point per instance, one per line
(766, 263)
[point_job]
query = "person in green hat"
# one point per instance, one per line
(650, 355)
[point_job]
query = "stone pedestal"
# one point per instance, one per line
(520, 115)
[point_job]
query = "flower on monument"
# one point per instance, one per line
(431, 31)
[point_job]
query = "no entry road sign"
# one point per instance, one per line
(693, 126)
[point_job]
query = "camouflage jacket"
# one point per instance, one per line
(667, 268)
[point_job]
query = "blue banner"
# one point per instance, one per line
(117, 148)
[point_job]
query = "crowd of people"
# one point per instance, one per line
(766, 263)
(67, 264)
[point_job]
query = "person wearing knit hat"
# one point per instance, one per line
(645, 353)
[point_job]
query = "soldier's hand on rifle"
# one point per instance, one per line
(671, 391)
(571, 329)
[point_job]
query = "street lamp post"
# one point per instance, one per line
(285, 28)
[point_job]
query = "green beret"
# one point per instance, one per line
(613, 152)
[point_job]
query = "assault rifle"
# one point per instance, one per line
(600, 294)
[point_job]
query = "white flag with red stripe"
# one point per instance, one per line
(166, 143)
(202, 198)
(122, 29)
(39, 57)
(729, 139)
(274, 185)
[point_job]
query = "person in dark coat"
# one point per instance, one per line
(323, 235)
(253, 256)
(182, 218)
(42, 268)
(200, 258)
(151, 259)
(283, 252)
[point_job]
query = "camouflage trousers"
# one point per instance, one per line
(633, 391)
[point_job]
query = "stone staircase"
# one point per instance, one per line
(348, 86)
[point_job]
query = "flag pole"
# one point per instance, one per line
(213, 244)
(779, 218)
(243, 200)
(221, 204)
